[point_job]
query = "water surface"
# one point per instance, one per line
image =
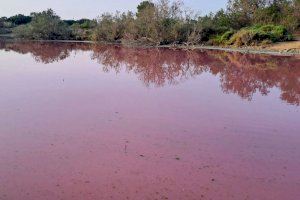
(83, 121)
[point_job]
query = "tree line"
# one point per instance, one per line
(47, 25)
(243, 22)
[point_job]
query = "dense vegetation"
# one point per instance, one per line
(47, 25)
(243, 22)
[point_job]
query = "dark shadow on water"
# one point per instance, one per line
(241, 74)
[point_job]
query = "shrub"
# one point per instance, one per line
(271, 32)
(223, 39)
(80, 34)
(260, 34)
(241, 38)
(227, 35)
(22, 31)
(106, 29)
(5, 31)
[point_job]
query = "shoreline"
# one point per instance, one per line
(244, 50)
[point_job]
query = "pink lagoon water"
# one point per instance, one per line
(82, 121)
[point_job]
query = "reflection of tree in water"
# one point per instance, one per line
(242, 74)
(44, 52)
(153, 66)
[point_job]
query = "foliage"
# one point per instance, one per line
(279, 12)
(112, 28)
(143, 6)
(20, 19)
(260, 34)
(83, 23)
(5, 26)
(160, 23)
(242, 11)
(165, 22)
(222, 20)
(22, 31)
(223, 39)
(81, 29)
(45, 25)
(2, 23)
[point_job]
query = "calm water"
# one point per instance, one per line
(80, 121)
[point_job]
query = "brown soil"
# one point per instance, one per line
(293, 46)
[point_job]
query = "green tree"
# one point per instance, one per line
(146, 23)
(296, 4)
(106, 28)
(45, 25)
(221, 19)
(116, 27)
(1, 23)
(242, 11)
(280, 12)
(144, 5)
(20, 19)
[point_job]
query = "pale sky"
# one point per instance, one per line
(76, 9)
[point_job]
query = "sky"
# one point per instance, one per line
(76, 9)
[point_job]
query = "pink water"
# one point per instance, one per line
(82, 121)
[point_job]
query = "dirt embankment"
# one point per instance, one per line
(292, 47)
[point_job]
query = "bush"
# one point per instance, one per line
(4, 31)
(80, 34)
(22, 31)
(241, 38)
(256, 35)
(223, 39)
(113, 28)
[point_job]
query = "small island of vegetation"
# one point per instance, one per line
(242, 23)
